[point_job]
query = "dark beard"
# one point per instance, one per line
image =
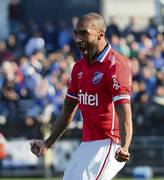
(92, 52)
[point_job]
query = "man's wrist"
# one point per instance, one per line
(47, 143)
(125, 148)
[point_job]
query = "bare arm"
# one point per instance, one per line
(39, 147)
(126, 129)
(62, 122)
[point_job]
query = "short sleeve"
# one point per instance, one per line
(72, 92)
(120, 81)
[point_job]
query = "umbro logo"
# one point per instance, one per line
(80, 75)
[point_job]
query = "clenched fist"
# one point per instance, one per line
(122, 155)
(38, 147)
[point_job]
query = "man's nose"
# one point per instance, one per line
(78, 39)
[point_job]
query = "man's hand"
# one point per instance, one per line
(38, 147)
(122, 155)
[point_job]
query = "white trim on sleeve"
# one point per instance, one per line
(122, 96)
(71, 96)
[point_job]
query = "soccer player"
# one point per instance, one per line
(100, 87)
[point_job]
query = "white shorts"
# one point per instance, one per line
(94, 160)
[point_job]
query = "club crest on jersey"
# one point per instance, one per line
(97, 77)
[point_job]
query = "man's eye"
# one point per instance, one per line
(75, 33)
(83, 33)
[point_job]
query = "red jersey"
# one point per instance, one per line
(97, 88)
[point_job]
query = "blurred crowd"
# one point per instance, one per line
(35, 65)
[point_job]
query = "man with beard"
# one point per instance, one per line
(100, 87)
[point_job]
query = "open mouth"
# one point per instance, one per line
(82, 49)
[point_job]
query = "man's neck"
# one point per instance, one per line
(100, 48)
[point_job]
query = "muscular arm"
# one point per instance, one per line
(125, 121)
(61, 122)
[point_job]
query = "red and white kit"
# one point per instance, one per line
(97, 88)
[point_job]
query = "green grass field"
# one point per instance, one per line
(60, 179)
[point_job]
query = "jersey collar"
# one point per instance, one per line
(103, 53)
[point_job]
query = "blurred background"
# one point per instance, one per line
(37, 52)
